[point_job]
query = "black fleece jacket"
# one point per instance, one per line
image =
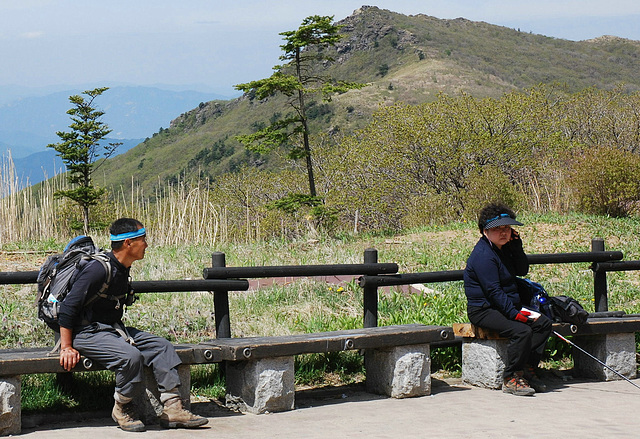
(490, 276)
(73, 313)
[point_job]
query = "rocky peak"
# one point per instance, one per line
(366, 27)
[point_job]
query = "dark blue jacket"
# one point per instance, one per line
(73, 313)
(490, 276)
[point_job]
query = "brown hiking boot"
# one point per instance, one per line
(175, 416)
(534, 380)
(517, 385)
(127, 417)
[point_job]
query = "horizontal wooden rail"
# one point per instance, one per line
(616, 266)
(174, 286)
(147, 286)
(210, 273)
(568, 258)
(456, 275)
(297, 271)
(18, 277)
(410, 278)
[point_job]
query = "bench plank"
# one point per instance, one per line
(238, 349)
(594, 326)
(600, 326)
(39, 360)
(468, 330)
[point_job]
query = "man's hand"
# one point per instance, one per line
(69, 357)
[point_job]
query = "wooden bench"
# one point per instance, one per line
(611, 340)
(260, 370)
(17, 362)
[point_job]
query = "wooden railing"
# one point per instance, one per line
(221, 279)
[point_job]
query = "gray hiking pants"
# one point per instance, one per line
(104, 345)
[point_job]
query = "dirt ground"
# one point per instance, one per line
(21, 260)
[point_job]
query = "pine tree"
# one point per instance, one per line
(80, 148)
(303, 49)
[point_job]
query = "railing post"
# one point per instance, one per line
(221, 301)
(599, 280)
(370, 293)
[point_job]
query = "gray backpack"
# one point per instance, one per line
(57, 274)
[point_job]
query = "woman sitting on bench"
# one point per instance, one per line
(493, 301)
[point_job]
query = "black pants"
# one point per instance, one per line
(526, 340)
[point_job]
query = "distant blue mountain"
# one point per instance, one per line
(9, 93)
(27, 125)
(42, 165)
(37, 167)
(22, 143)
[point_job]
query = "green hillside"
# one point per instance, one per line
(408, 59)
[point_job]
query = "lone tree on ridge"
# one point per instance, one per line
(303, 49)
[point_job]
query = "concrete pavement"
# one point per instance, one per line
(570, 409)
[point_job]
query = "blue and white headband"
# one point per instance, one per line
(129, 235)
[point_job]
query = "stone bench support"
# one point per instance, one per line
(483, 362)
(10, 411)
(261, 386)
(484, 353)
(400, 371)
(618, 351)
(268, 384)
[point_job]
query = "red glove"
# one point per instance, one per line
(523, 316)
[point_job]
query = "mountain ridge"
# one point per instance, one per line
(404, 59)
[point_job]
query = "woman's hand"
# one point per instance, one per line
(524, 316)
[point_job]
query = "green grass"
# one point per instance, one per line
(307, 305)
(207, 380)
(84, 390)
(330, 368)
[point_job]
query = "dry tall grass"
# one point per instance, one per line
(180, 213)
(25, 216)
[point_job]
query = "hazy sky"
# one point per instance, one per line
(215, 44)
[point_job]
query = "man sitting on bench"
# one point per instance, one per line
(97, 332)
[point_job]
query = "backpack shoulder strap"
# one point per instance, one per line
(106, 264)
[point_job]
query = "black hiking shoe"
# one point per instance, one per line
(517, 385)
(534, 380)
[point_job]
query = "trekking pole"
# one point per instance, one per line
(587, 353)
